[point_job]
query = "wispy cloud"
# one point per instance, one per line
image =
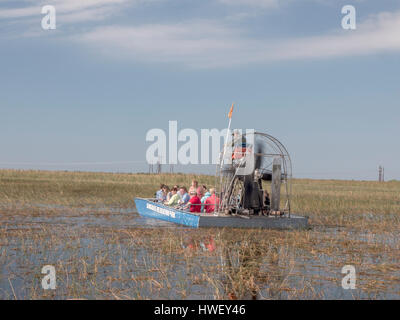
(205, 43)
(266, 4)
(252, 3)
(69, 10)
(182, 42)
(210, 44)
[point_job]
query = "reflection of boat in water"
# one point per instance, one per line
(151, 209)
(243, 269)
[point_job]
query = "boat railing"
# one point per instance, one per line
(184, 207)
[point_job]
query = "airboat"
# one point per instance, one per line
(250, 164)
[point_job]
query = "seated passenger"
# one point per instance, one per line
(167, 192)
(211, 202)
(160, 195)
(239, 145)
(174, 201)
(200, 192)
(194, 202)
(184, 196)
(194, 186)
(204, 198)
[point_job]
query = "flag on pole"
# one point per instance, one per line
(230, 112)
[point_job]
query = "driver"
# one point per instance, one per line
(239, 145)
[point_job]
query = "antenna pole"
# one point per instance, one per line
(227, 135)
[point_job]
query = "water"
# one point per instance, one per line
(84, 217)
(110, 253)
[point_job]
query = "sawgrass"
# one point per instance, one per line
(104, 263)
(353, 222)
(85, 188)
(326, 202)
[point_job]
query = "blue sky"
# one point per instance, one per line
(83, 96)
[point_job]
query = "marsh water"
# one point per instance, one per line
(113, 253)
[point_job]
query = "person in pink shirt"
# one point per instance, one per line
(200, 192)
(211, 202)
(194, 186)
(194, 203)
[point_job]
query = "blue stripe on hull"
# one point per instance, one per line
(151, 209)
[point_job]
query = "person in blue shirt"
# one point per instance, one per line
(160, 195)
(184, 196)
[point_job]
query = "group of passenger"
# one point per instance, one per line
(197, 199)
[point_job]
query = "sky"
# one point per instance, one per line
(84, 95)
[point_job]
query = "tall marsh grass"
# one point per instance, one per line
(327, 202)
(353, 222)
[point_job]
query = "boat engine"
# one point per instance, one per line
(242, 192)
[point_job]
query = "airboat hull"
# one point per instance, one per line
(263, 222)
(151, 209)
